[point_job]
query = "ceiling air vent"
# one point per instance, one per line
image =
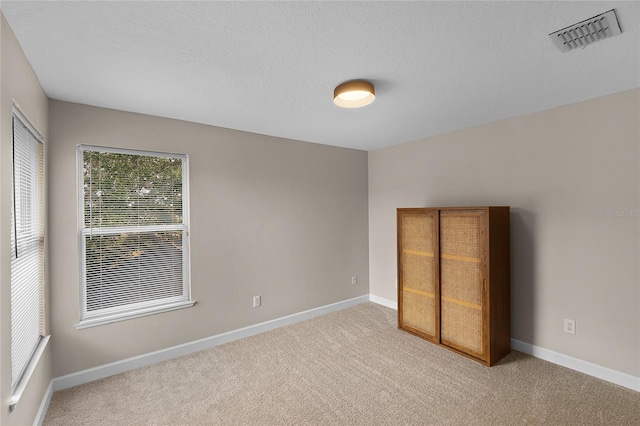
(587, 32)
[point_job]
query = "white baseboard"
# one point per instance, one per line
(604, 373)
(44, 405)
(384, 302)
(129, 364)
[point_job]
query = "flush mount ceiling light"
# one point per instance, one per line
(354, 94)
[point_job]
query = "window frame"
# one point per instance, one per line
(135, 310)
(19, 382)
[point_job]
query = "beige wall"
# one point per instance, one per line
(283, 219)
(19, 84)
(560, 170)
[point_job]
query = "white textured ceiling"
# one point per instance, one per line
(271, 67)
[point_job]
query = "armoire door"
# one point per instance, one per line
(418, 307)
(462, 275)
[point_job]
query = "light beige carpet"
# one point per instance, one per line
(352, 367)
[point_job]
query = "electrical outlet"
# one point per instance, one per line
(569, 326)
(256, 301)
(354, 280)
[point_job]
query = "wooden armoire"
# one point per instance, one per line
(453, 278)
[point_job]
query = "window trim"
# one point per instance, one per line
(87, 321)
(31, 367)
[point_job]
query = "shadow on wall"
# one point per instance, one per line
(523, 280)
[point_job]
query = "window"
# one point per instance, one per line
(134, 233)
(27, 254)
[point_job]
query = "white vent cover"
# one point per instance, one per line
(587, 32)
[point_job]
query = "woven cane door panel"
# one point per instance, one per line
(417, 261)
(461, 281)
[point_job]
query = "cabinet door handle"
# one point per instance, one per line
(484, 285)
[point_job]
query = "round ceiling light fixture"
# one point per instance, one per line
(354, 94)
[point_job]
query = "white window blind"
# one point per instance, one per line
(133, 233)
(27, 248)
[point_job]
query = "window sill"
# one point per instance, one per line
(35, 359)
(94, 322)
